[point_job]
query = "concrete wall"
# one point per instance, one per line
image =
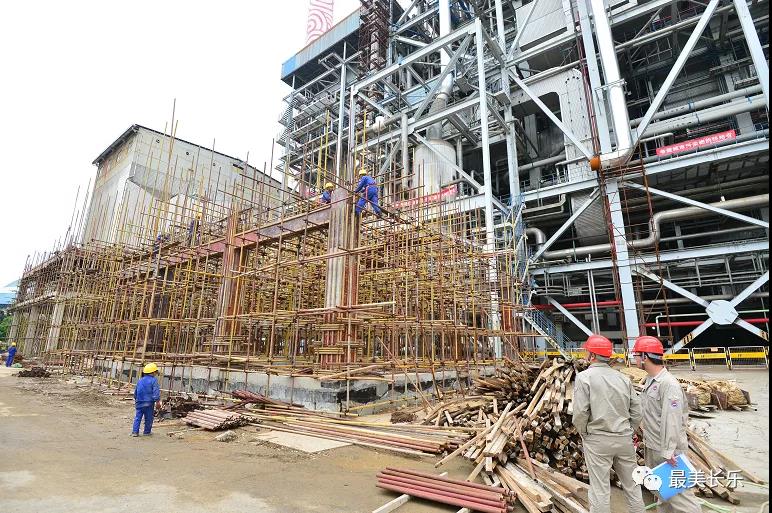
(146, 187)
(310, 392)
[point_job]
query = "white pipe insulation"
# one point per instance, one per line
(655, 233)
(614, 82)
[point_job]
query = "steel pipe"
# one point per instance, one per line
(655, 222)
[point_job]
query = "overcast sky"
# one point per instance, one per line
(75, 75)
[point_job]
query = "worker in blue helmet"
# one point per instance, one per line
(369, 191)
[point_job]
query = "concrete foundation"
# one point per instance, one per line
(307, 391)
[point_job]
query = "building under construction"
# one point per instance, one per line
(546, 169)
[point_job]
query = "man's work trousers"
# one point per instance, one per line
(145, 411)
(684, 502)
(372, 199)
(602, 453)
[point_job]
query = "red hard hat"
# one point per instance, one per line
(600, 345)
(648, 344)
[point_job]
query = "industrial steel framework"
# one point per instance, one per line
(542, 166)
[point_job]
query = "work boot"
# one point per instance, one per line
(134, 434)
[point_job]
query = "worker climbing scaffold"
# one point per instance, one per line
(368, 189)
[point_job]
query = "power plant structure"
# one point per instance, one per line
(546, 170)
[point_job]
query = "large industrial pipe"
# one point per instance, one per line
(707, 115)
(443, 95)
(654, 226)
(701, 104)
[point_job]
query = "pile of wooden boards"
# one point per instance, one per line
(476, 497)
(216, 420)
(408, 439)
(703, 394)
(717, 467)
(527, 443)
(539, 426)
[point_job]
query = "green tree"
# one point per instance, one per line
(5, 327)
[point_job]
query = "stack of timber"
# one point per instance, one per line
(526, 412)
(406, 439)
(526, 442)
(216, 420)
(703, 394)
(476, 497)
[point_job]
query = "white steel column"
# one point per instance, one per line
(490, 240)
(513, 173)
(624, 272)
(598, 100)
(757, 52)
(614, 82)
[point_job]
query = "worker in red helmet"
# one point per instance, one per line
(665, 418)
(607, 412)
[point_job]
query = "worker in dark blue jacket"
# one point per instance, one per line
(327, 194)
(146, 395)
(11, 354)
(369, 191)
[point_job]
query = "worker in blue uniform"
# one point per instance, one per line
(327, 194)
(369, 191)
(146, 395)
(11, 354)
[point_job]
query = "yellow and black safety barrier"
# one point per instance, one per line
(745, 357)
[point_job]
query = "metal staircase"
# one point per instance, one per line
(540, 322)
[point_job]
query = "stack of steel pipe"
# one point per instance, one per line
(431, 487)
(215, 420)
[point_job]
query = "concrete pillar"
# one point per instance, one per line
(337, 270)
(54, 330)
(227, 298)
(29, 338)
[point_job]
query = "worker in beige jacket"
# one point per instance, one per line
(607, 412)
(665, 418)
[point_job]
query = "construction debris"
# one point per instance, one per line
(401, 417)
(525, 440)
(34, 372)
(179, 406)
(703, 394)
(216, 420)
(476, 497)
(252, 398)
(228, 436)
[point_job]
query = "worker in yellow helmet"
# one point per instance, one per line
(327, 194)
(369, 190)
(146, 395)
(11, 354)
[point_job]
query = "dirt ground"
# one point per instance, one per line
(65, 448)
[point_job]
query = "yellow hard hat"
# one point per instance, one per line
(13, 344)
(150, 368)
(329, 185)
(363, 172)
